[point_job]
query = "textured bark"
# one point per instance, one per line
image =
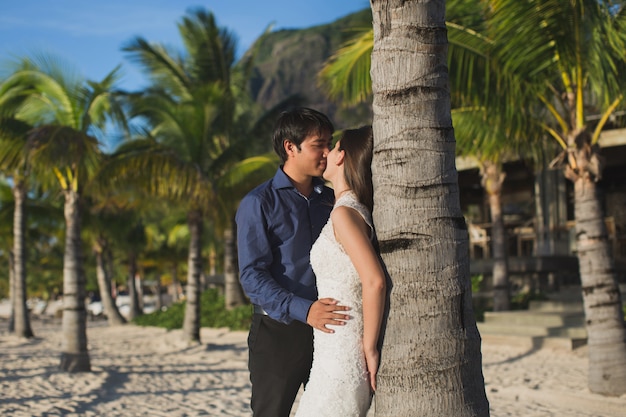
(11, 326)
(606, 333)
(431, 359)
(191, 324)
(175, 282)
(602, 302)
(492, 180)
(233, 293)
(104, 285)
(21, 315)
(133, 292)
(74, 353)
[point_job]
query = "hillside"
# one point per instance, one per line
(288, 62)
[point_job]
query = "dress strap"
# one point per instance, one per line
(349, 200)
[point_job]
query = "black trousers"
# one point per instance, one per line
(279, 361)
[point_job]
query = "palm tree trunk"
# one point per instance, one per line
(135, 308)
(12, 298)
(175, 283)
(492, 180)
(602, 302)
(191, 325)
(233, 293)
(104, 284)
(74, 353)
(430, 359)
(159, 292)
(21, 317)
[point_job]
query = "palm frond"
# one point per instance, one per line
(13, 153)
(346, 74)
(159, 64)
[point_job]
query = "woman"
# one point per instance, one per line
(345, 362)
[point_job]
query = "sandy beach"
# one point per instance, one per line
(147, 371)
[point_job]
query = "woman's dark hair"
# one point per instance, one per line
(295, 125)
(358, 145)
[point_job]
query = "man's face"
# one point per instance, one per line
(310, 159)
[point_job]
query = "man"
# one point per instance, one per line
(277, 223)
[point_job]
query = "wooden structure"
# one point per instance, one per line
(538, 215)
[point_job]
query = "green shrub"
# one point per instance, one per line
(521, 300)
(476, 281)
(213, 313)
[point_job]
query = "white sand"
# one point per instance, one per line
(141, 371)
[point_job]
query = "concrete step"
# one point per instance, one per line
(525, 330)
(532, 342)
(556, 306)
(533, 318)
(553, 324)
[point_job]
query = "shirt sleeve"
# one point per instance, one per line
(255, 261)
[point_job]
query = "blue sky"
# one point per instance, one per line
(89, 34)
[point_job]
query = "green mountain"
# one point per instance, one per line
(288, 61)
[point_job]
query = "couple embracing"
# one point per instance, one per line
(308, 264)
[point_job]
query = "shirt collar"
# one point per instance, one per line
(281, 180)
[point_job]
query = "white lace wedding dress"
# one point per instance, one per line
(338, 385)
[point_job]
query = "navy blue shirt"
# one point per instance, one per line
(276, 227)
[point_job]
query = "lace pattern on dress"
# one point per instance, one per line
(338, 381)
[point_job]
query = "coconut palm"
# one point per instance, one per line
(569, 56)
(6, 228)
(167, 241)
(188, 113)
(243, 176)
(14, 161)
(107, 221)
(66, 112)
(345, 77)
(431, 363)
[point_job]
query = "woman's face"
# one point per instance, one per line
(331, 162)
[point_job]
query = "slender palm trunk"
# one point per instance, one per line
(21, 317)
(431, 359)
(74, 356)
(492, 180)
(159, 292)
(233, 293)
(175, 282)
(133, 293)
(606, 334)
(104, 285)
(12, 298)
(191, 325)
(602, 302)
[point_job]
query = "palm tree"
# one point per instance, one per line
(102, 250)
(6, 227)
(569, 56)
(66, 111)
(431, 362)
(345, 77)
(241, 177)
(167, 241)
(14, 161)
(188, 111)
(107, 223)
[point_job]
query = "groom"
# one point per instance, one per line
(277, 223)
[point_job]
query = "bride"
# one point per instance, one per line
(347, 268)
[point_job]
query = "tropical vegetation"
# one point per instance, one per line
(194, 142)
(522, 72)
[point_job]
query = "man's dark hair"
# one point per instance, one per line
(295, 125)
